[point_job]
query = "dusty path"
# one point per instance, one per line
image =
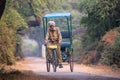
(81, 72)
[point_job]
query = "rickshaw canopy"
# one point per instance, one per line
(58, 15)
(65, 34)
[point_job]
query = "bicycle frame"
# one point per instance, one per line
(54, 60)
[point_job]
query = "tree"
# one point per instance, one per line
(10, 22)
(36, 8)
(2, 6)
(101, 16)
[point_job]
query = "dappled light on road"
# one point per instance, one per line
(38, 66)
(29, 47)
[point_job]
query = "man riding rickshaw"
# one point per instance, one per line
(58, 41)
(54, 36)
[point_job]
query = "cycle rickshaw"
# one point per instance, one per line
(66, 45)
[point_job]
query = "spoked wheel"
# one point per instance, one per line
(54, 61)
(71, 61)
(54, 67)
(47, 64)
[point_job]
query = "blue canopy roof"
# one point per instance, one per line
(57, 15)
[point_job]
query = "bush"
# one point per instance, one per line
(111, 53)
(9, 23)
(6, 46)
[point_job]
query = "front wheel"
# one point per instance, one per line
(54, 67)
(54, 61)
(48, 66)
(71, 61)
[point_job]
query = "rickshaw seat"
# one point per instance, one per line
(65, 34)
(65, 44)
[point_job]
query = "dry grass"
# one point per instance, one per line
(109, 37)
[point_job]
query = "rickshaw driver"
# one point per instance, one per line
(53, 37)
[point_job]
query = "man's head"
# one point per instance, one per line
(51, 24)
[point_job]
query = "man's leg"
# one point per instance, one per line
(59, 55)
(49, 53)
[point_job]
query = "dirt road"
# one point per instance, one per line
(81, 72)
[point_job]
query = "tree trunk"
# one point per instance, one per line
(37, 20)
(2, 7)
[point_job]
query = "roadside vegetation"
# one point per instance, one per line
(18, 16)
(101, 16)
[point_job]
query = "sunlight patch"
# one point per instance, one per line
(29, 47)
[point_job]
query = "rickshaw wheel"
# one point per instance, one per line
(48, 66)
(54, 61)
(54, 67)
(71, 61)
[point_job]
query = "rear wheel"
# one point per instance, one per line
(71, 62)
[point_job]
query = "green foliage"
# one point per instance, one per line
(10, 22)
(76, 46)
(37, 8)
(18, 51)
(6, 45)
(13, 19)
(101, 16)
(87, 5)
(87, 43)
(111, 55)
